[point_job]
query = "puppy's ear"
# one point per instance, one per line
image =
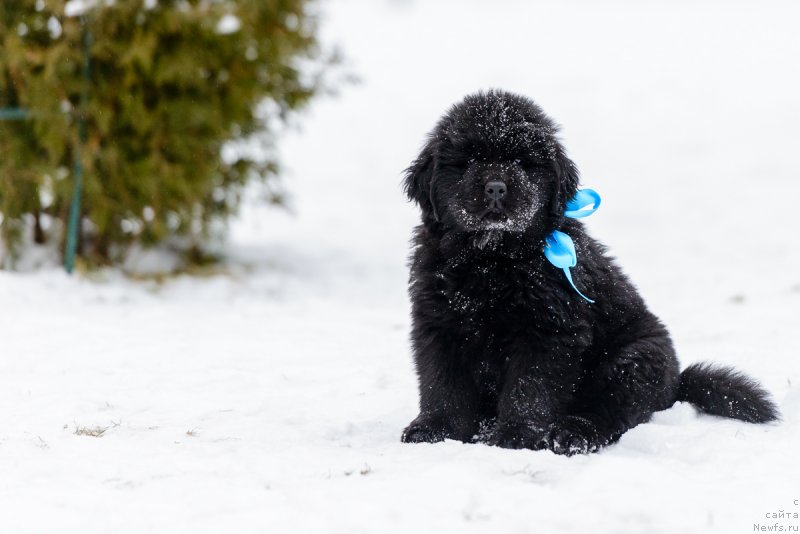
(567, 180)
(419, 183)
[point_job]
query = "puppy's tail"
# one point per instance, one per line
(726, 392)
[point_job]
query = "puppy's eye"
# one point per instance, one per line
(530, 165)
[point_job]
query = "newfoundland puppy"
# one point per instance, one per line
(507, 351)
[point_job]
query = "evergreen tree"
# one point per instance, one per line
(170, 83)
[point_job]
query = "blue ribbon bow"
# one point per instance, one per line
(559, 248)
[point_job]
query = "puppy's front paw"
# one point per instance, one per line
(572, 435)
(518, 436)
(425, 429)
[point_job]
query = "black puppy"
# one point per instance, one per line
(506, 350)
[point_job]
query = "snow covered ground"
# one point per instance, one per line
(271, 398)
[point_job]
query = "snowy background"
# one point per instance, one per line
(271, 397)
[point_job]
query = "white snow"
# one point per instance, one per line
(228, 24)
(76, 8)
(271, 398)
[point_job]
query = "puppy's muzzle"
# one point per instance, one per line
(495, 190)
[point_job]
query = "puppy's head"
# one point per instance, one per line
(493, 162)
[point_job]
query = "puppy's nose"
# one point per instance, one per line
(495, 190)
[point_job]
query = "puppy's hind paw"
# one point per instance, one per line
(572, 435)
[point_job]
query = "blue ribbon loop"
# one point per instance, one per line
(584, 203)
(559, 249)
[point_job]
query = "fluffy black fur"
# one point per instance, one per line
(506, 352)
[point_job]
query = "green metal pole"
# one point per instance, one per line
(73, 225)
